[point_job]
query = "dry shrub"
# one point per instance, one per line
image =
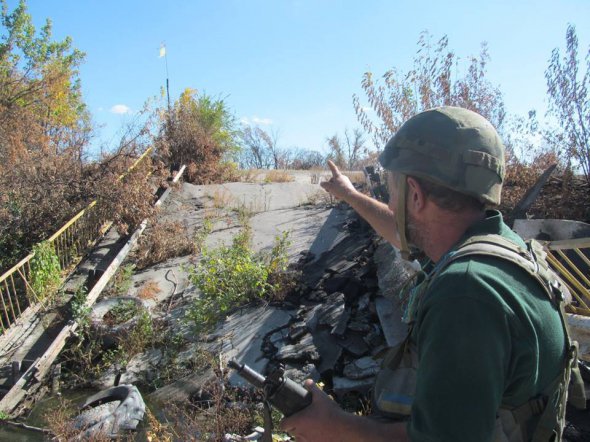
(319, 197)
(221, 198)
(198, 131)
(149, 290)
(163, 240)
(157, 431)
(60, 421)
(250, 175)
(355, 177)
(128, 202)
(220, 409)
(278, 176)
(521, 176)
(564, 196)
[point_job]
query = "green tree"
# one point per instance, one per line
(198, 131)
(40, 97)
(44, 129)
(432, 81)
(567, 87)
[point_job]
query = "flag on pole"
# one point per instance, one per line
(162, 51)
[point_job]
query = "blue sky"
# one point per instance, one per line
(292, 66)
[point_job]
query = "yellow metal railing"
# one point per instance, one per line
(70, 243)
(567, 257)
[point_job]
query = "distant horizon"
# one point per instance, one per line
(292, 67)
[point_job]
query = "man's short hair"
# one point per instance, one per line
(449, 199)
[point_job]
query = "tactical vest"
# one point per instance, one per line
(396, 382)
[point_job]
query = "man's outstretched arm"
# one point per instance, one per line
(376, 213)
(325, 421)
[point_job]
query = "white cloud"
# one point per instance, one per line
(121, 109)
(262, 121)
(256, 121)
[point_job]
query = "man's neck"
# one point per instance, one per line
(445, 228)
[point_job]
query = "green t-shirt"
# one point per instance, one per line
(486, 335)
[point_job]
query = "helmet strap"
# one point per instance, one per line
(400, 216)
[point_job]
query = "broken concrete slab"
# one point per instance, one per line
(579, 327)
(344, 385)
(329, 350)
(551, 229)
(333, 311)
(392, 271)
(241, 336)
(344, 245)
(308, 371)
(354, 344)
(361, 368)
(279, 338)
(297, 330)
(339, 327)
(303, 351)
(390, 318)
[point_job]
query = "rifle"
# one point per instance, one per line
(281, 392)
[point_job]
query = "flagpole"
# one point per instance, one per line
(164, 52)
(167, 81)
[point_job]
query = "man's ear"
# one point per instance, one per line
(416, 198)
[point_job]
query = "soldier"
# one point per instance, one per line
(487, 356)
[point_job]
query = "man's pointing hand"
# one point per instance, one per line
(339, 185)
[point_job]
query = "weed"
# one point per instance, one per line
(278, 176)
(157, 431)
(244, 215)
(85, 357)
(221, 198)
(140, 337)
(81, 311)
(233, 275)
(122, 281)
(122, 312)
(203, 233)
(250, 176)
(45, 277)
(4, 416)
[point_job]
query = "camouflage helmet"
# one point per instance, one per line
(454, 147)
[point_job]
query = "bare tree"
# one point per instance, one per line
(262, 150)
(432, 81)
(302, 159)
(567, 88)
(349, 152)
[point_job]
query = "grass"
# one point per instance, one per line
(220, 198)
(278, 176)
(122, 281)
